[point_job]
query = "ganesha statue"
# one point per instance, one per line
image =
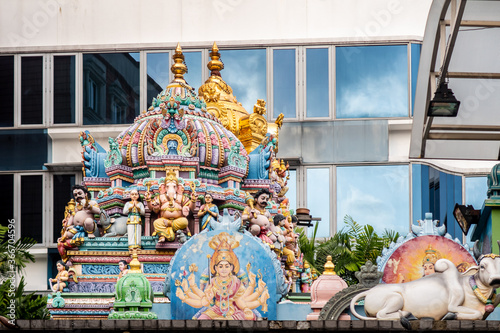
(172, 208)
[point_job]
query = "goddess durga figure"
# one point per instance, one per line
(225, 296)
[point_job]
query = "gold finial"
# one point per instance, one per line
(329, 267)
(135, 264)
(179, 67)
(215, 65)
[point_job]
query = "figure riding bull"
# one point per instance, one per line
(448, 294)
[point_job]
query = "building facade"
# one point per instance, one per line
(344, 74)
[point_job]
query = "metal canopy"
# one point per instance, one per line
(474, 134)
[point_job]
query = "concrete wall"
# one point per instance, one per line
(79, 23)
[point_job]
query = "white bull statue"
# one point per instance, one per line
(447, 294)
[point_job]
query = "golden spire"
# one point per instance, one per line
(215, 65)
(135, 264)
(179, 68)
(329, 267)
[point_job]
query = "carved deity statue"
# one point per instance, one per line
(172, 208)
(259, 217)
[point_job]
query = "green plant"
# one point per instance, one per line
(350, 248)
(18, 252)
(13, 258)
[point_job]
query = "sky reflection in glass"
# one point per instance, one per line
(371, 81)
(158, 74)
(318, 199)
(193, 63)
(245, 72)
(475, 194)
(376, 195)
(284, 83)
(317, 83)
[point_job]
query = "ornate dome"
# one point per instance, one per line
(178, 127)
(219, 96)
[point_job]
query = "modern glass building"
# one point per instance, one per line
(353, 80)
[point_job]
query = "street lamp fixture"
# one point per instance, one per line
(444, 103)
(466, 216)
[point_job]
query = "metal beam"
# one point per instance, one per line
(428, 54)
(456, 18)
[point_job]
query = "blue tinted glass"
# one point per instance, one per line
(245, 72)
(374, 195)
(475, 194)
(371, 81)
(26, 149)
(64, 89)
(475, 191)
(158, 72)
(318, 199)
(111, 88)
(284, 83)
(292, 190)
(317, 83)
(415, 60)
(193, 63)
(7, 91)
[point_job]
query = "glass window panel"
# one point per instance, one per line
(475, 191)
(31, 90)
(317, 93)
(318, 199)
(64, 89)
(193, 63)
(62, 194)
(292, 190)
(111, 88)
(284, 83)
(6, 91)
(7, 199)
(27, 149)
(371, 81)
(375, 195)
(475, 194)
(415, 60)
(245, 72)
(158, 74)
(31, 207)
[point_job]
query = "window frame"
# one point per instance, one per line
(331, 82)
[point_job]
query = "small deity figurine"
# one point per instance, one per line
(79, 220)
(291, 242)
(134, 209)
(259, 217)
(61, 279)
(123, 266)
(279, 244)
(172, 208)
(208, 211)
(305, 278)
